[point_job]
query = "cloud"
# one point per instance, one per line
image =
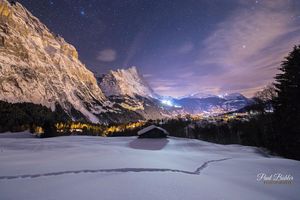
(135, 47)
(168, 86)
(147, 75)
(186, 48)
(107, 55)
(249, 46)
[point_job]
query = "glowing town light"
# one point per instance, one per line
(170, 103)
(222, 95)
(167, 102)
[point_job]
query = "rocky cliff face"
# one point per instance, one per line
(125, 82)
(39, 67)
(128, 89)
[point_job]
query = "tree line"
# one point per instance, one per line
(27, 116)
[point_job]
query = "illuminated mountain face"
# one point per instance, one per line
(40, 67)
(128, 89)
(125, 82)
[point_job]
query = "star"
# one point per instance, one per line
(244, 46)
(82, 13)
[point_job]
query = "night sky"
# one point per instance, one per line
(180, 46)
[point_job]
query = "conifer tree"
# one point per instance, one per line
(287, 102)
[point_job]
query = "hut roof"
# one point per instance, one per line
(149, 128)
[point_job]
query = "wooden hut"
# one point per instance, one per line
(153, 132)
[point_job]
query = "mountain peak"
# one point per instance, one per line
(132, 69)
(233, 96)
(125, 82)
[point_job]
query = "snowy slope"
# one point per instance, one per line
(40, 67)
(82, 167)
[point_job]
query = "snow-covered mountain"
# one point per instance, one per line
(125, 82)
(235, 101)
(233, 96)
(40, 67)
(195, 104)
(128, 89)
(198, 95)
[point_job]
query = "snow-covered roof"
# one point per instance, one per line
(149, 128)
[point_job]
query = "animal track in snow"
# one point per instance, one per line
(121, 170)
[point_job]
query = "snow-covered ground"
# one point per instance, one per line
(83, 167)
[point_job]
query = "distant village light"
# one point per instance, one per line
(167, 102)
